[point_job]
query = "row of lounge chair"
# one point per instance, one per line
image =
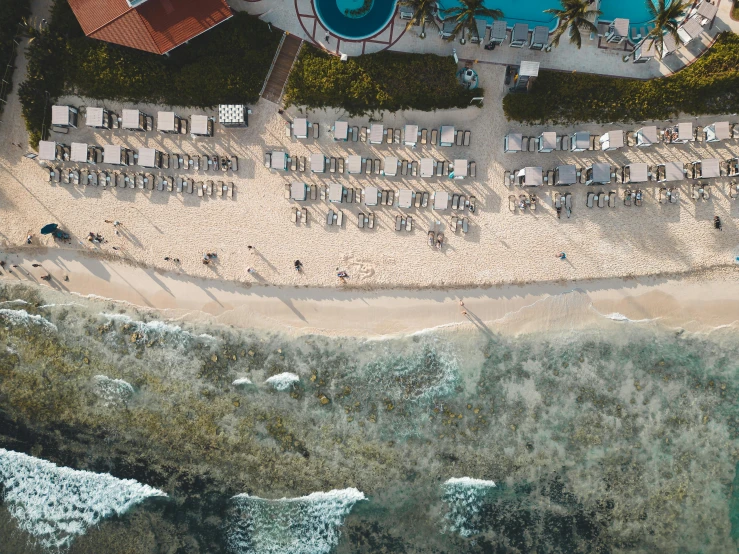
(600, 199)
(410, 135)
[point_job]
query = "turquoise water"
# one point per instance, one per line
(622, 437)
(332, 14)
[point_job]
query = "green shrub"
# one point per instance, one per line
(225, 65)
(13, 15)
(385, 81)
(710, 85)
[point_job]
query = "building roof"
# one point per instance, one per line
(155, 26)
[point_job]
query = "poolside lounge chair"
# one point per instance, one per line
(589, 201)
(424, 136)
(434, 136)
(467, 138)
(663, 195)
(533, 199)
(425, 200)
(316, 130)
(396, 136)
(462, 202)
(302, 164)
(508, 178)
(363, 134)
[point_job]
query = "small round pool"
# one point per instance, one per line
(355, 19)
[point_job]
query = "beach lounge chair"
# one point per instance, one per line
(209, 188)
(332, 165)
(439, 168)
(467, 138)
(425, 200)
(181, 184)
(512, 202)
(330, 217)
(424, 136)
(414, 168)
(148, 181)
(465, 226)
(532, 202)
(360, 220)
(589, 201)
(396, 136)
(160, 183)
(696, 195)
(189, 184)
(525, 143)
(663, 196)
(698, 134)
(434, 136)
(288, 129)
(445, 168)
(358, 196)
(630, 137)
(638, 197)
(169, 183)
(340, 165)
(230, 189)
(316, 130)
(473, 169)
(389, 136)
(313, 192)
(339, 218)
(371, 220)
(366, 166)
(409, 224)
(733, 190)
(404, 167)
(398, 220)
(557, 203)
(390, 197)
(233, 163)
(459, 138)
(627, 197)
(568, 204)
(439, 241)
(305, 216)
(200, 186)
(602, 200)
(383, 198)
(455, 201)
(302, 164)
(294, 215)
(355, 134)
(508, 178)
(472, 204)
(612, 199)
(417, 199)
(453, 225)
(376, 167)
(431, 238)
(363, 134)
(462, 202)
(287, 190)
(706, 192)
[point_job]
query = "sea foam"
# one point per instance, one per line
(465, 497)
(22, 317)
(305, 525)
(113, 391)
(283, 381)
(57, 504)
(242, 382)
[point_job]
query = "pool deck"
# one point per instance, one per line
(591, 58)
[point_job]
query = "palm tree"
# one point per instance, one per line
(665, 17)
(424, 12)
(577, 16)
(465, 15)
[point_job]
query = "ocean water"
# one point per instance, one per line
(615, 437)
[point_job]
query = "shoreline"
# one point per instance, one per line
(696, 301)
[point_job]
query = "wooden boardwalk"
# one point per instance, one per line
(281, 68)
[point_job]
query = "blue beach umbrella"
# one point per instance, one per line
(48, 229)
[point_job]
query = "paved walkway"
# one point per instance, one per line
(298, 17)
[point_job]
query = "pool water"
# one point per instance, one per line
(332, 14)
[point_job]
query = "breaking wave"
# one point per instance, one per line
(22, 317)
(283, 381)
(465, 497)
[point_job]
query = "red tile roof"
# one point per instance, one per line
(155, 25)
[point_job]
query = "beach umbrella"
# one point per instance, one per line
(48, 229)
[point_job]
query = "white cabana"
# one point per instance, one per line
(317, 163)
(635, 173)
(530, 177)
(598, 174)
(354, 164)
(341, 130)
(707, 10)
(79, 152)
(233, 115)
(113, 154)
(612, 140)
(690, 30)
(410, 135)
(133, 119)
(460, 169)
(707, 169)
(97, 117)
(513, 142)
(370, 196)
(565, 175)
(717, 131)
(47, 150)
(149, 157)
(441, 200)
(298, 191)
(168, 122)
(580, 141)
(278, 161)
(546, 142)
(684, 132)
(391, 166)
(405, 198)
(335, 192)
(647, 136)
(63, 116)
(427, 167)
(201, 125)
(672, 171)
(300, 128)
(377, 133)
(447, 135)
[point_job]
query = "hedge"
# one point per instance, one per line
(389, 81)
(13, 16)
(225, 65)
(708, 86)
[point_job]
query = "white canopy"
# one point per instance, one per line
(708, 10)
(447, 136)
(131, 119)
(232, 114)
(95, 117)
(61, 115)
(710, 168)
(685, 131)
(547, 141)
(690, 29)
(335, 192)
(370, 196)
(147, 157)
(580, 141)
(317, 163)
(300, 127)
(514, 142)
(427, 167)
(199, 125)
(410, 135)
(647, 136)
(376, 133)
(166, 122)
(405, 198)
(79, 152)
(441, 200)
(601, 173)
(460, 169)
(532, 176)
(354, 164)
(47, 150)
(638, 173)
(718, 131)
(341, 130)
(391, 166)
(612, 140)
(279, 160)
(113, 154)
(297, 191)
(674, 171)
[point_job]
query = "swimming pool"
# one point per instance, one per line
(333, 14)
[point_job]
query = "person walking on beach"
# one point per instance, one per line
(298, 265)
(28, 238)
